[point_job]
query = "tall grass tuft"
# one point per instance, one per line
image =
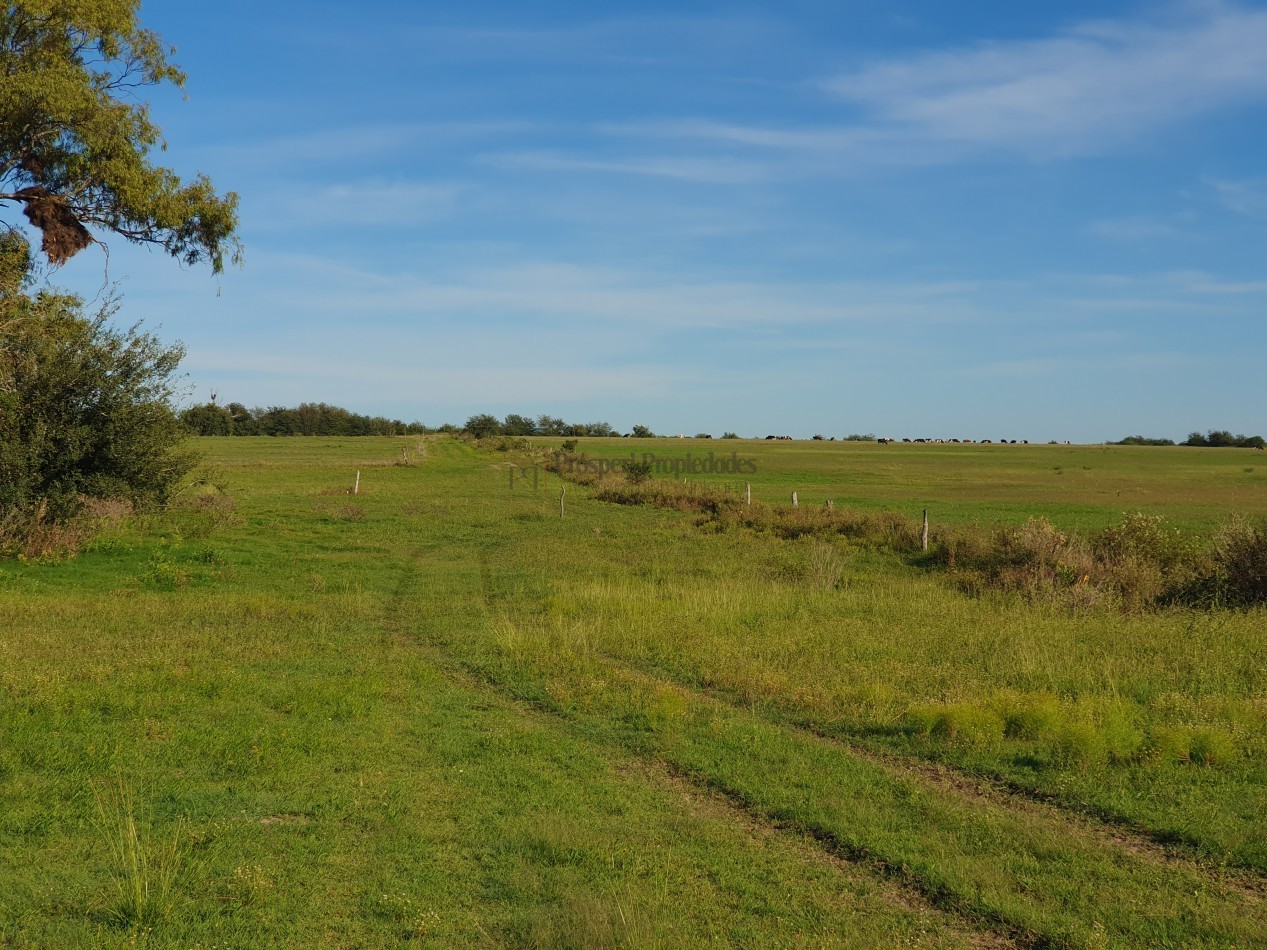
(145, 870)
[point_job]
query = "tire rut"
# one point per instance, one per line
(1140, 842)
(902, 887)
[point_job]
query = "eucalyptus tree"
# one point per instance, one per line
(85, 409)
(76, 139)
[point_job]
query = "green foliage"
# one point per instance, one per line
(75, 140)
(550, 425)
(641, 432)
(518, 425)
(638, 471)
(483, 425)
(1140, 440)
(309, 418)
(84, 409)
(208, 419)
(1240, 558)
(1221, 438)
(729, 435)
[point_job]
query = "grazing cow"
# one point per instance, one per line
(985, 441)
(906, 440)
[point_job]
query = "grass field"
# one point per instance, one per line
(438, 712)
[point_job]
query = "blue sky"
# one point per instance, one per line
(977, 220)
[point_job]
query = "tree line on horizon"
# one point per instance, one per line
(322, 419)
(309, 418)
(1214, 438)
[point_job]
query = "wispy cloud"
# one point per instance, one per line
(1093, 87)
(1247, 197)
(716, 171)
(368, 203)
(1133, 229)
(351, 144)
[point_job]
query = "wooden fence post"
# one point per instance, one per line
(749, 494)
(356, 487)
(924, 542)
(563, 490)
(795, 503)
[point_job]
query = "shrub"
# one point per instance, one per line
(638, 471)
(1240, 558)
(85, 410)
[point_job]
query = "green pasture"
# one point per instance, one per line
(436, 712)
(1078, 487)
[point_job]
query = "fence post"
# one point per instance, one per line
(356, 487)
(749, 494)
(563, 490)
(924, 541)
(795, 503)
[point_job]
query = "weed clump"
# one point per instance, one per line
(961, 723)
(1240, 560)
(36, 535)
(1197, 745)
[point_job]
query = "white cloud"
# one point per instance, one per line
(1244, 197)
(1133, 229)
(350, 145)
(713, 171)
(1093, 87)
(366, 203)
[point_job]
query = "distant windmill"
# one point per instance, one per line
(213, 397)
